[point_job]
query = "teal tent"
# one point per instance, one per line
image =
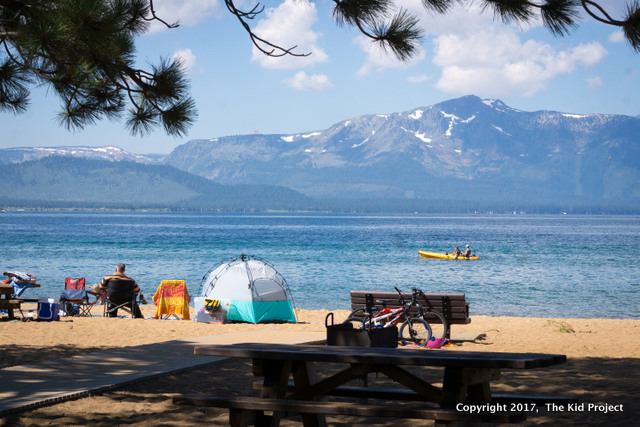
(250, 290)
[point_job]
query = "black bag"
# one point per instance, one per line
(346, 335)
(68, 308)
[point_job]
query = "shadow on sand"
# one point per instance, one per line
(601, 381)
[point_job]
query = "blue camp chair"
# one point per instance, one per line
(75, 299)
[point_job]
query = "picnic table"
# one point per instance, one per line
(8, 303)
(467, 380)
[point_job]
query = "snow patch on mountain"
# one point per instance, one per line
(358, 145)
(452, 121)
(110, 152)
(416, 115)
(575, 116)
(499, 129)
(309, 135)
(422, 136)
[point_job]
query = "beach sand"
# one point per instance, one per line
(603, 366)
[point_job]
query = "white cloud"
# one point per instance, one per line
(479, 54)
(617, 37)
(302, 81)
(588, 54)
(469, 17)
(188, 60)
(495, 62)
(380, 59)
(595, 81)
(287, 26)
(187, 13)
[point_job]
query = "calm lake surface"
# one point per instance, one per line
(530, 265)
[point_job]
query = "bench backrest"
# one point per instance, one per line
(452, 305)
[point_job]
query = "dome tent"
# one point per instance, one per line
(251, 289)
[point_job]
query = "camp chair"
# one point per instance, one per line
(171, 299)
(75, 299)
(129, 306)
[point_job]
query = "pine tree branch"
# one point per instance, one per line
(605, 18)
(271, 49)
(155, 17)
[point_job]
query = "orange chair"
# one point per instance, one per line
(172, 299)
(77, 298)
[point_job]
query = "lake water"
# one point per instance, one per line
(530, 265)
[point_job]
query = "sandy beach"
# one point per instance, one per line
(603, 365)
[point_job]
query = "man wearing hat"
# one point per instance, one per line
(467, 252)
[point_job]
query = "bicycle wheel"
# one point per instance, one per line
(438, 324)
(379, 318)
(357, 317)
(359, 312)
(357, 322)
(415, 331)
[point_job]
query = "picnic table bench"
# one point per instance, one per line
(250, 410)
(467, 379)
(386, 393)
(453, 306)
(10, 304)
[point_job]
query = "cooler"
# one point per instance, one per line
(48, 310)
(206, 313)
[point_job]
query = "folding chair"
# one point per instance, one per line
(172, 299)
(112, 307)
(75, 299)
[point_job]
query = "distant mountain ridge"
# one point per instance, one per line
(465, 148)
(111, 153)
(57, 181)
(461, 150)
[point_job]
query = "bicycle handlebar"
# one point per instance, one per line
(414, 296)
(401, 300)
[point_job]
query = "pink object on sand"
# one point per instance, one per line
(435, 343)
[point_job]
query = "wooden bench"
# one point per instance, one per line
(389, 393)
(15, 304)
(18, 301)
(453, 306)
(249, 410)
(10, 303)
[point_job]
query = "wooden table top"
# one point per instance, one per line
(394, 356)
(7, 286)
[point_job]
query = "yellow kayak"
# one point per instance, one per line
(440, 255)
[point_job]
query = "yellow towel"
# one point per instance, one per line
(172, 297)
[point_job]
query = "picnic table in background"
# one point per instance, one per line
(10, 303)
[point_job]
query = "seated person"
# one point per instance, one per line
(121, 289)
(456, 252)
(467, 252)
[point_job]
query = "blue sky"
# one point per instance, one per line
(240, 91)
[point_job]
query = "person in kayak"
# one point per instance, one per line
(467, 252)
(456, 252)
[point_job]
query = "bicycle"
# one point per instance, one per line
(384, 317)
(437, 330)
(414, 328)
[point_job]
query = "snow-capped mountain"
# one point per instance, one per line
(23, 154)
(466, 148)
